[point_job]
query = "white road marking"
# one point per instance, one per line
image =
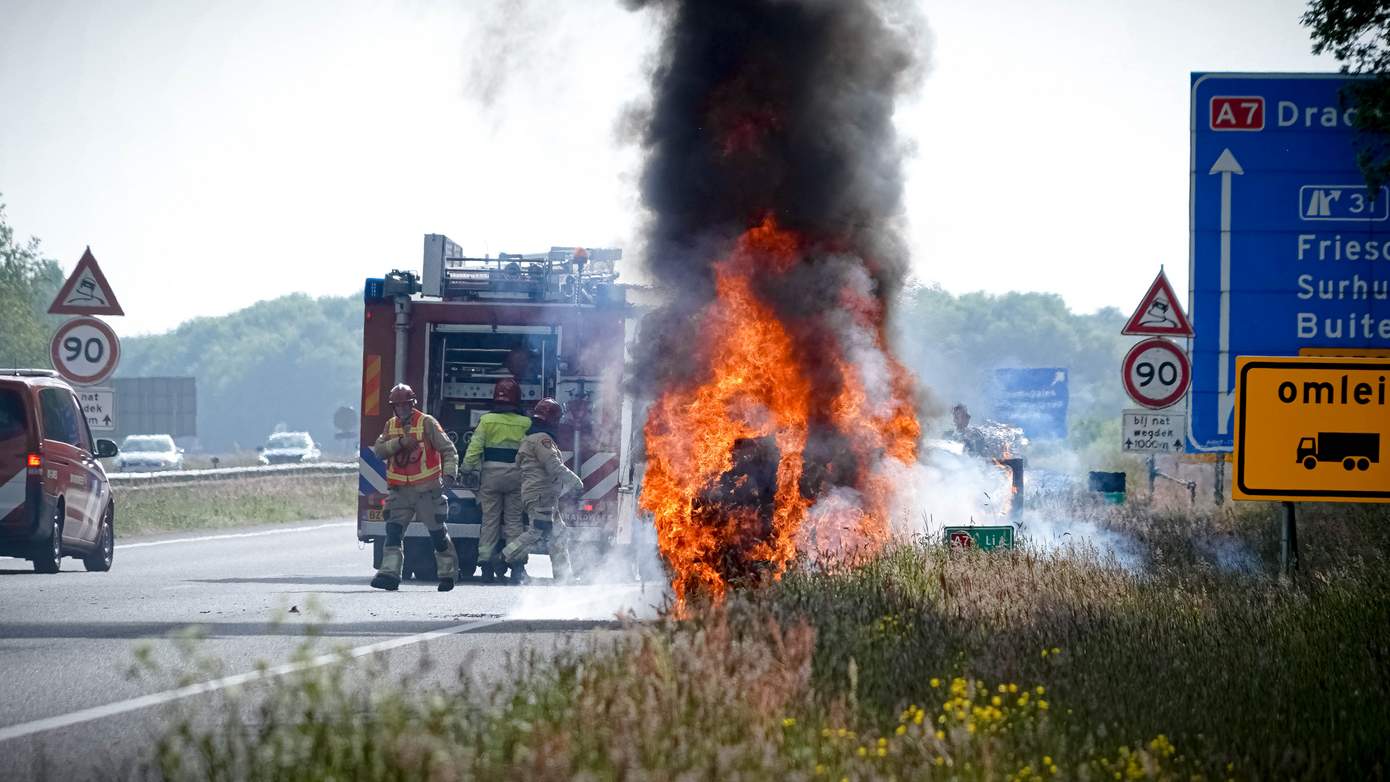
(234, 535)
(168, 696)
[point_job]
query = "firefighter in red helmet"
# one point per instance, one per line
(421, 461)
(493, 451)
(544, 478)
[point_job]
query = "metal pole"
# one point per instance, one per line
(402, 336)
(1220, 488)
(1153, 473)
(1288, 541)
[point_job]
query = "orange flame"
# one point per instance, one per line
(759, 384)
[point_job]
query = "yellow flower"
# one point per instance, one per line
(901, 729)
(882, 742)
(1039, 689)
(788, 722)
(1047, 760)
(861, 752)
(1042, 705)
(825, 733)
(940, 761)
(1044, 654)
(1003, 689)
(941, 735)
(1013, 688)
(970, 727)
(917, 720)
(820, 769)
(882, 752)
(935, 682)
(1055, 650)
(997, 701)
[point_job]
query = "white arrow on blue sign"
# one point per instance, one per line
(1289, 250)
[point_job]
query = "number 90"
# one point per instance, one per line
(92, 349)
(1166, 372)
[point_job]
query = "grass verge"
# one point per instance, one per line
(221, 504)
(922, 663)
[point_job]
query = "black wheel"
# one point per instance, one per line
(99, 561)
(48, 553)
(467, 549)
(1363, 464)
(1310, 462)
(378, 551)
(419, 560)
(1348, 464)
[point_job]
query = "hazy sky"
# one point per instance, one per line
(215, 154)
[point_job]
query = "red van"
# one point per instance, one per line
(55, 500)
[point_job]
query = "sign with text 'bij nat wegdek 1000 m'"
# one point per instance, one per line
(1289, 250)
(1312, 429)
(1150, 431)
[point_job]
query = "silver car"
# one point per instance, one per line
(289, 448)
(149, 452)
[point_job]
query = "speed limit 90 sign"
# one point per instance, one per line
(1156, 373)
(85, 351)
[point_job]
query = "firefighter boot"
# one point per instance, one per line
(388, 576)
(488, 577)
(446, 563)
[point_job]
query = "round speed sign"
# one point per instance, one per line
(1156, 373)
(85, 351)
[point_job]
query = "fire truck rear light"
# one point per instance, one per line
(35, 461)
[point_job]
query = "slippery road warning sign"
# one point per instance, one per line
(1313, 429)
(1158, 313)
(86, 291)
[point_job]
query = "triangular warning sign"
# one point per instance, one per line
(1159, 314)
(86, 292)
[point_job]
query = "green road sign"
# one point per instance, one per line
(983, 538)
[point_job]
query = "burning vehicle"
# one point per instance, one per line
(773, 184)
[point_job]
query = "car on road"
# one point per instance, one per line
(55, 499)
(148, 452)
(289, 448)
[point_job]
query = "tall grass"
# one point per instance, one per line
(259, 500)
(922, 663)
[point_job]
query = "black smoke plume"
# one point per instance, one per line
(780, 108)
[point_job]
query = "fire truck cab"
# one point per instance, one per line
(560, 324)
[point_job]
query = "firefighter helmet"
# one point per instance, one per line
(548, 411)
(507, 390)
(401, 394)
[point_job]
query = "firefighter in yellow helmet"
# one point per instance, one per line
(544, 478)
(421, 461)
(493, 451)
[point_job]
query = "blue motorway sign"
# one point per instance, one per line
(1035, 400)
(1289, 250)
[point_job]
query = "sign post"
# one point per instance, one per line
(1288, 248)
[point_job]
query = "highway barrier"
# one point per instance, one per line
(147, 480)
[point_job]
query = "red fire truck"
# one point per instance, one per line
(559, 323)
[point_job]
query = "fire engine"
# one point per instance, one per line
(559, 323)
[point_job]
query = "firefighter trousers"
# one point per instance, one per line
(499, 497)
(424, 503)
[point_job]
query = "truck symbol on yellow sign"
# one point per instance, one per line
(1355, 450)
(1311, 428)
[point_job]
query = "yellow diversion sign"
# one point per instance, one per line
(1312, 429)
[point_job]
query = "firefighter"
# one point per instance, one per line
(421, 461)
(493, 451)
(544, 478)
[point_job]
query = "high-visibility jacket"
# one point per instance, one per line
(496, 439)
(433, 456)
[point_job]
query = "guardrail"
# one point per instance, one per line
(146, 480)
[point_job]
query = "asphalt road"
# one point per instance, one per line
(206, 610)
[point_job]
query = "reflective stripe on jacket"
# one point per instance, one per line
(503, 431)
(414, 466)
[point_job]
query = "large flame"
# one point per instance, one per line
(770, 386)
